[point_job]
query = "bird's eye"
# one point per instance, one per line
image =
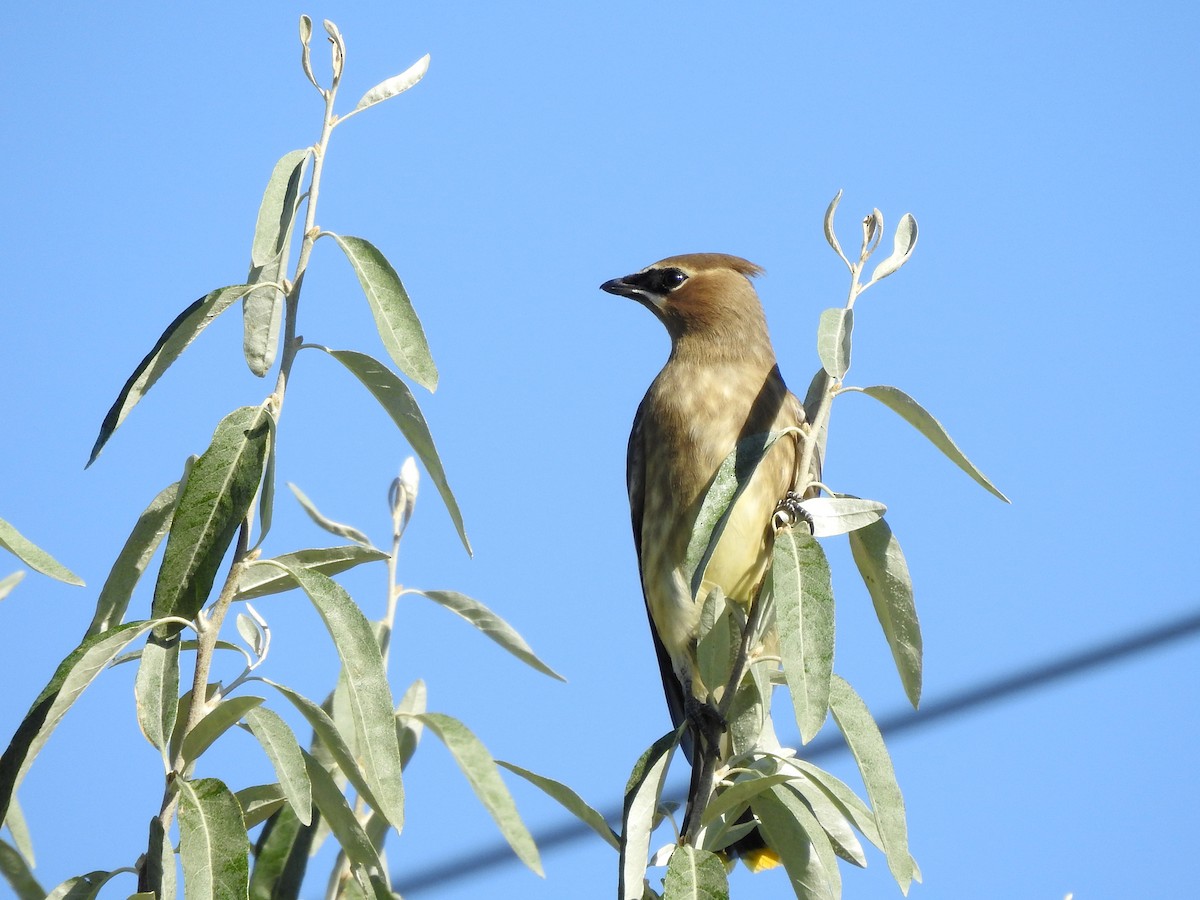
(672, 278)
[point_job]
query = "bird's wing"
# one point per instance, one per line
(635, 481)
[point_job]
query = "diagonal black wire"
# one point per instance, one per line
(987, 692)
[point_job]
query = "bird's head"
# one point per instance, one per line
(700, 297)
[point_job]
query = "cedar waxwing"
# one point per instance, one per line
(720, 384)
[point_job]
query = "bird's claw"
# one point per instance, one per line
(789, 511)
(706, 721)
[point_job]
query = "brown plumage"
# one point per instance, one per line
(720, 384)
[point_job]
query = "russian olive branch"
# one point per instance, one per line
(208, 625)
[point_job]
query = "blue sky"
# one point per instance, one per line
(1047, 318)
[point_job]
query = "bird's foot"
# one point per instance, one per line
(706, 721)
(789, 511)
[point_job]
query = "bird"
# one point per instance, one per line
(720, 384)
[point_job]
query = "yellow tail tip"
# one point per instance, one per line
(761, 859)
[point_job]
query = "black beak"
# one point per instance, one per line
(621, 287)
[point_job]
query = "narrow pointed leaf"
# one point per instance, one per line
(283, 750)
(695, 875)
(816, 397)
(156, 690)
(278, 208)
(408, 726)
(84, 887)
(830, 234)
(331, 741)
(179, 334)
(642, 794)
(367, 690)
(571, 801)
(215, 723)
(732, 477)
(34, 556)
(837, 825)
(348, 532)
(740, 793)
(834, 339)
(131, 562)
(848, 803)
(19, 875)
(875, 766)
(214, 502)
(19, 829)
(838, 515)
(260, 580)
(915, 414)
(70, 679)
(8, 582)
(395, 318)
(266, 495)
(804, 615)
(903, 245)
(262, 319)
(213, 846)
(261, 801)
(281, 857)
(397, 84)
(719, 637)
(336, 811)
(881, 563)
(397, 400)
(483, 776)
(159, 864)
(491, 625)
(305, 58)
(788, 824)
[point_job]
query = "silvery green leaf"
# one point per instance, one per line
(152, 526)
(212, 506)
(904, 243)
(156, 690)
(34, 556)
(833, 340)
(397, 400)
(881, 563)
(346, 531)
(570, 800)
(915, 414)
(282, 748)
(259, 802)
(213, 846)
(481, 772)
(837, 515)
(223, 716)
(642, 794)
(795, 834)
(830, 234)
(491, 625)
(258, 580)
(397, 84)
(695, 875)
(875, 766)
(8, 582)
(369, 696)
(395, 318)
(803, 594)
(70, 679)
(179, 334)
(18, 872)
(305, 53)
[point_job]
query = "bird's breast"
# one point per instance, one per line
(692, 418)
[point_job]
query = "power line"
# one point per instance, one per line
(983, 694)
